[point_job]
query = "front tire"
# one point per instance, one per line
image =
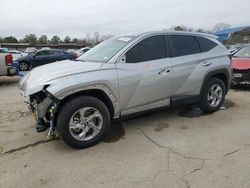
(213, 95)
(83, 122)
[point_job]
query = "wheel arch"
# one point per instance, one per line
(97, 93)
(222, 74)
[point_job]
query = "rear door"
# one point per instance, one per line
(145, 75)
(55, 55)
(186, 57)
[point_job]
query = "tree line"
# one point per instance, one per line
(32, 39)
(95, 38)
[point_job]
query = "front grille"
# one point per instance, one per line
(243, 71)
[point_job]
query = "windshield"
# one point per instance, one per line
(104, 51)
(244, 52)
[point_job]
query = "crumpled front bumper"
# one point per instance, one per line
(41, 109)
(241, 76)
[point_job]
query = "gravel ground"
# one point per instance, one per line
(179, 147)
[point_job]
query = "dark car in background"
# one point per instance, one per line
(241, 66)
(43, 57)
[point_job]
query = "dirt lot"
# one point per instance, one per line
(173, 148)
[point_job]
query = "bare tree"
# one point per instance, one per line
(220, 26)
(105, 37)
(96, 37)
(181, 28)
(88, 38)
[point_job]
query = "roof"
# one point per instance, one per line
(231, 30)
(172, 32)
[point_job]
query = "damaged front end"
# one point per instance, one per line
(241, 76)
(43, 106)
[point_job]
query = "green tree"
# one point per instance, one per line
(67, 39)
(200, 30)
(10, 39)
(43, 39)
(75, 40)
(1, 39)
(55, 40)
(31, 39)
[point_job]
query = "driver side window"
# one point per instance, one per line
(151, 48)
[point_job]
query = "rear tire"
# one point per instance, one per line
(74, 123)
(213, 95)
(24, 66)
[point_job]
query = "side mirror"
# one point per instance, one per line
(122, 59)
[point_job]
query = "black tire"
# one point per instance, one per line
(69, 109)
(24, 66)
(204, 102)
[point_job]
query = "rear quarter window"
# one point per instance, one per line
(182, 45)
(206, 44)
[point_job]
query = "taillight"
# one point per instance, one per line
(75, 55)
(8, 60)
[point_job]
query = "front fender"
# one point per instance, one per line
(65, 86)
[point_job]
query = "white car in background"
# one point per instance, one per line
(30, 50)
(16, 54)
(82, 50)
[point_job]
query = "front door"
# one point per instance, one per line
(40, 58)
(145, 76)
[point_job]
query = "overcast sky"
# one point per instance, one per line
(78, 17)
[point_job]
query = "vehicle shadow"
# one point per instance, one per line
(160, 115)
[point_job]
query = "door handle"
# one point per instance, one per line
(206, 63)
(164, 71)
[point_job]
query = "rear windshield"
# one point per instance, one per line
(104, 51)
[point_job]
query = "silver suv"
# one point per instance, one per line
(125, 75)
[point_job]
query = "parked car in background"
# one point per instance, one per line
(6, 68)
(71, 50)
(16, 54)
(3, 50)
(241, 66)
(82, 51)
(235, 48)
(30, 50)
(45, 48)
(43, 57)
(125, 75)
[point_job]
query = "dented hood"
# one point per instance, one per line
(36, 79)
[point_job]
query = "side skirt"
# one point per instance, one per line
(173, 102)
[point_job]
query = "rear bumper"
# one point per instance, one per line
(11, 71)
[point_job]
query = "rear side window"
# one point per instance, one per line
(42, 53)
(206, 44)
(183, 45)
(55, 53)
(151, 48)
